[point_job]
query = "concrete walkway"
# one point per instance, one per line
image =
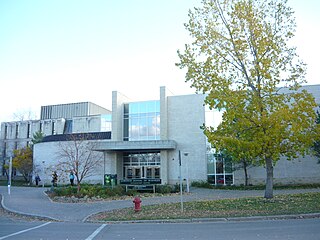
(33, 201)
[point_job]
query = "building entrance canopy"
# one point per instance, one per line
(111, 146)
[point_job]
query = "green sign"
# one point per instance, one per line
(110, 180)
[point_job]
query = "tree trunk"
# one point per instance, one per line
(269, 182)
(26, 178)
(78, 187)
(30, 179)
(245, 173)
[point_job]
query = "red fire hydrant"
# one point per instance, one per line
(137, 204)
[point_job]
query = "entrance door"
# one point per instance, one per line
(133, 172)
(137, 172)
(142, 172)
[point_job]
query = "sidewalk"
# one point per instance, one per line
(33, 201)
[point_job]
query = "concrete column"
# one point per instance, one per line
(163, 114)
(164, 167)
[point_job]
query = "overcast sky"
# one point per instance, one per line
(65, 51)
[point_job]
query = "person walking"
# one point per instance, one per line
(54, 179)
(71, 177)
(37, 179)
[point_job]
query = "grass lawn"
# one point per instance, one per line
(14, 183)
(242, 207)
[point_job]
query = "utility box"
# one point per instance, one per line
(110, 180)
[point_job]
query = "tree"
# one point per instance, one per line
(37, 137)
(77, 155)
(316, 144)
(240, 155)
(23, 162)
(240, 158)
(240, 56)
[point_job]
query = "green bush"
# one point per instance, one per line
(164, 189)
(110, 192)
(201, 184)
(176, 188)
(119, 190)
(65, 191)
(132, 192)
(89, 191)
(101, 193)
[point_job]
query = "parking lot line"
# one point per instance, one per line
(23, 231)
(95, 233)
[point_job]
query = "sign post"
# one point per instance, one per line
(9, 175)
(43, 177)
(186, 161)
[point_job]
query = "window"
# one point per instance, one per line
(29, 131)
(17, 130)
(5, 131)
(220, 170)
(4, 154)
(149, 172)
(106, 123)
(141, 165)
(68, 126)
(141, 121)
(157, 172)
(53, 128)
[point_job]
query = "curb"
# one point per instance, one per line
(198, 220)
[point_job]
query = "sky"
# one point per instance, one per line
(56, 52)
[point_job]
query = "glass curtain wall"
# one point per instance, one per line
(141, 165)
(142, 121)
(220, 170)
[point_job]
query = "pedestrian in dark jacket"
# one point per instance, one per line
(37, 179)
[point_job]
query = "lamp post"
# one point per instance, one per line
(187, 178)
(180, 179)
(104, 169)
(10, 175)
(43, 173)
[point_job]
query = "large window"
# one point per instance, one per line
(141, 165)
(220, 170)
(106, 123)
(142, 121)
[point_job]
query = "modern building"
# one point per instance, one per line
(302, 170)
(146, 139)
(157, 141)
(54, 120)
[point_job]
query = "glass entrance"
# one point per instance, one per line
(141, 165)
(142, 172)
